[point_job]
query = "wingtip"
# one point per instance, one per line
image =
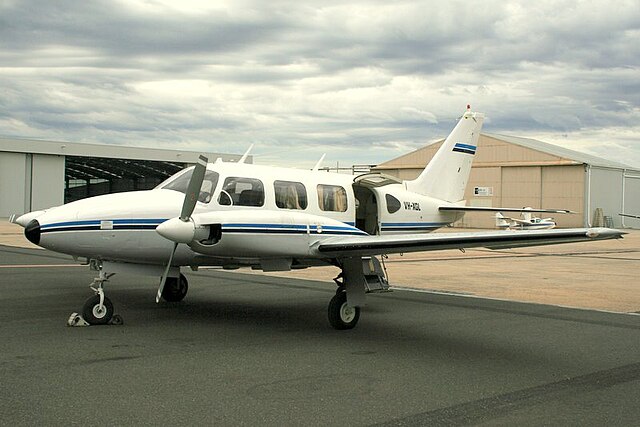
(605, 233)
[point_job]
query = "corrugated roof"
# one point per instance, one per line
(559, 151)
(534, 144)
(112, 151)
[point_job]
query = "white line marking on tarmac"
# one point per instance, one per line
(41, 265)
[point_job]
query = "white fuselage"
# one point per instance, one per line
(263, 216)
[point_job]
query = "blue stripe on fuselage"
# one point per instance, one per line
(151, 224)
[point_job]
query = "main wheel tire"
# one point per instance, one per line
(94, 314)
(341, 315)
(175, 289)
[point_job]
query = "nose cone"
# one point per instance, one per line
(32, 232)
(25, 219)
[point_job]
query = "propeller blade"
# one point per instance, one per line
(193, 189)
(171, 230)
(163, 280)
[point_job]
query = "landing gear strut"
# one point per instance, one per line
(97, 310)
(359, 276)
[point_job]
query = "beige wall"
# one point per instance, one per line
(563, 188)
(518, 176)
(546, 187)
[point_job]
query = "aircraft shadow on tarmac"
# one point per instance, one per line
(420, 331)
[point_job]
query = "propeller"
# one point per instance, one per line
(182, 229)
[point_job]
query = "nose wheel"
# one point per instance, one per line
(96, 313)
(97, 310)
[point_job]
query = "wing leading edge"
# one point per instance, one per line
(349, 246)
(487, 209)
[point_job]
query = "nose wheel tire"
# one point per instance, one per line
(341, 315)
(175, 289)
(94, 313)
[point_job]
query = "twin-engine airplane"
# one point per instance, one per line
(274, 219)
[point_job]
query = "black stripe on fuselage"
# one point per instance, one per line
(224, 230)
(97, 228)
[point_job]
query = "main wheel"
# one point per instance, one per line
(95, 314)
(175, 289)
(342, 315)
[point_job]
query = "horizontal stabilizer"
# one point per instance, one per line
(349, 246)
(488, 209)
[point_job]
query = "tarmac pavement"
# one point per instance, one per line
(248, 349)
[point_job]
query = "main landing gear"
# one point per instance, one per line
(342, 315)
(175, 289)
(359, 276)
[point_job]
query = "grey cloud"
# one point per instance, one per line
(358, 74)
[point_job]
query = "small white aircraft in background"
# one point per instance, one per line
(275, 219)
(527, 222)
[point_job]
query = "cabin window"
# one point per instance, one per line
(393, 204)
(242, 192)
(332, 198)
(290, 195)
(181, 182)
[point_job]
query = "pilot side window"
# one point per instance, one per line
(242, 192)
(393, 204)
(290, 195)
(332, 198)
(182, 181)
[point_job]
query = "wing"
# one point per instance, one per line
(629, 215)
(348, 246)
(453, 208)
(519, 221)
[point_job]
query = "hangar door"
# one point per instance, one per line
(563, 188)
(93, 176)
(521, 186)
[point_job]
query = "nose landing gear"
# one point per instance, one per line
(97, 310)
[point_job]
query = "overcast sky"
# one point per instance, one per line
(363, 81)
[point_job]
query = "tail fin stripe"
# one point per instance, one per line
(460, 150)
(467, 146)
(464, 148)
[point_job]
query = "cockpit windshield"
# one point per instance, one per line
(180, 183)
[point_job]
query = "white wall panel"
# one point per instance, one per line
(606, 193)
(13, 184)
(631, 200)
(47, 184)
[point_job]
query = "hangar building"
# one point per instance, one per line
(517, 172)
(39, 174)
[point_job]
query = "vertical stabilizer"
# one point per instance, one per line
(447, 174)
(501, 221)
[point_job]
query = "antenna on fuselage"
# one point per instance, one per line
(245, 155)
(317, 166)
